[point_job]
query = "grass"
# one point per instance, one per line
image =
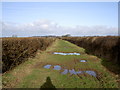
(105, 47)
(31, 74)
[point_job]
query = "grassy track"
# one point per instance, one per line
(31, 74)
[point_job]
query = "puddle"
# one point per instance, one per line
(57, 67)
(79, 72)
(66, 53)
(75, 72)
(47, 66)
(83, 60)
(92, 73)
(72, 71)
(65, 71)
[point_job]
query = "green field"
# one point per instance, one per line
(31, 73)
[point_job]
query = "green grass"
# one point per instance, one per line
(34, 75)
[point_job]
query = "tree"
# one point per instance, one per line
(67, 35)
(14, 35)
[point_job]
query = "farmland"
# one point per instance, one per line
(24, 60)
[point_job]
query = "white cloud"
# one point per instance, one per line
(47, 27)
(44, 26)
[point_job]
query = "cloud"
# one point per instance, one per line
(47, 27)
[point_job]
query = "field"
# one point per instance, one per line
(32, 74)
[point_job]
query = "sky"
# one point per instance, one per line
(59, 18)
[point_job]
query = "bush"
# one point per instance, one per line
(16, 50)
(107, 47)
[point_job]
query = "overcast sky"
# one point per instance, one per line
(59, 18)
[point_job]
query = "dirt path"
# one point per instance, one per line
(72, 74)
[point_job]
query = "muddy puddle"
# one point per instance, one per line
(47, 66)
(59, 53)
(65, 71)
(83, 60)
(71, 71)
(92, 73)
(57, 67)
(75, 72)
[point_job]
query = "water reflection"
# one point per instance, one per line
(65, 71)
(59, 53)
(92, 73)
(71, 71)
(83, 60)
(57, 67)
(47, 66)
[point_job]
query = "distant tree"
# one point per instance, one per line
(67, 35)
(14, 35)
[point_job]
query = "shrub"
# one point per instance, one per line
(16, 50)
(107, 47)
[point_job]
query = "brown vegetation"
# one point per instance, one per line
(16, 50)
(105, 47)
